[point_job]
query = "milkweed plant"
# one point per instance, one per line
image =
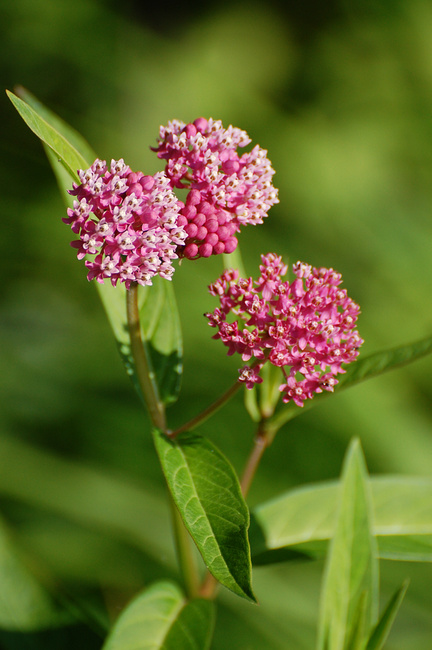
(293, 331)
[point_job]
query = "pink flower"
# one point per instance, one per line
(128, 221)
(226, 190)
(306, 327)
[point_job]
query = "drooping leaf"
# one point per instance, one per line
(161, 618)
(349, 598)
(160, 323)
(24, 603)
(383, 627)
(302, 521)
(365, 368)
(206, 491)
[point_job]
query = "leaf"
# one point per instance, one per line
(160, 331)
(24, 604)
(66, 152)
(383, 627)
(303, 520)
(71, 135)
(159, 317)
(351, 572)
(365, 368)
(160, 617)
(206, 491)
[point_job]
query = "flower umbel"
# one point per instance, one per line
(306, 327)
(129, 221)
(226, 190)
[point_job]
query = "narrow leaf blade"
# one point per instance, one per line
(351, 575)
(303, 520)
(71, 135)
(206, 491)
(383, 627)
(66, 152)
(161, 329)
(161, 618)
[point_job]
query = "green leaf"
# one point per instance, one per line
(206, 491)
(24, 604)
(160, 617)
(365, 368)
(71, 135)
(159, 317)
(303, 520)
(349, 597)
(65, 151)
(383, 627)
(161, 330)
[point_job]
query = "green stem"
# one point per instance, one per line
(146, 379)
(143, 370)
(185, 554)
(201, 417)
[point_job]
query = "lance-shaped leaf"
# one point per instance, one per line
(301, 521)
(67, 152)
(349, 598)
(207, 493)
(365, 368)
(382, 629)
(161, 618)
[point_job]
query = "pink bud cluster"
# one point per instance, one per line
(128, 221)
(226, 190)
(306, 327)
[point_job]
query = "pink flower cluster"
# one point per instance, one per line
(226, 190)
(306, 327)
(128, 221)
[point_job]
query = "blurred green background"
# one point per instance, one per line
(340, 94)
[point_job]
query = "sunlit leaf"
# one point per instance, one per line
(71, 135)
(161, 618)
(349, 597)
(303, 520)
(383, 627)
(206, 491)
(365, 368)
(66, 152)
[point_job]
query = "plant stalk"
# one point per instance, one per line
(143, 369)
(201, 417)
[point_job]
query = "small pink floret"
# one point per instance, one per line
(233, 187)
(306, 327)
(129, 222)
